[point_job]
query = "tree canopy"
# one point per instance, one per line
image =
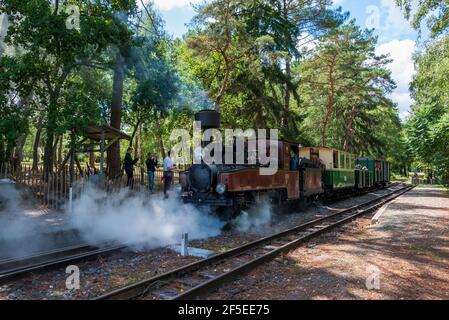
(303, 67)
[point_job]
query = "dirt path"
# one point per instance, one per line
(404, 256)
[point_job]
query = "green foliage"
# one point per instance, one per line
(428, 128)
(241, 57)
(13, 119)
(344, 87)
(434, 12)
(50, 56)
(242, 53)
(431, 82)
(428, 134)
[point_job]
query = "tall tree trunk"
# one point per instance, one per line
(224, 54)
(134, 134)
(92, 160)
(286, 111)
(141, 155)
(60, 149)
(161, 147)
(160, 140)
(2, 152)
(330, 103)
(136, 147)
(37, 141)
(10, 154)
(52, 123)
(114, 161)
(55, 151)
(348, 128)
(18, 154)
(50, 137)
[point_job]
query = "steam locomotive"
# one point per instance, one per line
(304, 174)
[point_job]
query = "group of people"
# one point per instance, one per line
(152, 165)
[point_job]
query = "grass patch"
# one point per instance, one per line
(388, 227)
(215, 247)
(135, 278)
(419, 248)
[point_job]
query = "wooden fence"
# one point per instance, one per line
(54, 192)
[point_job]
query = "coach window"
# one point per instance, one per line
(348, 163)
(314, 154)
(335, 159)
(342, 160)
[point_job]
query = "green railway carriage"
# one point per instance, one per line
(379, 170)
(340, 167)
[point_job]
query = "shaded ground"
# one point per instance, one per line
(103, 275)
(405, 256)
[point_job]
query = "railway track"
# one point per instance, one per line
(199, 278)
(11, 269)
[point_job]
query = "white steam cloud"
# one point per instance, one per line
(12, 221)
(139, 221)
(15, 224)
(125, 217)
(254, 219)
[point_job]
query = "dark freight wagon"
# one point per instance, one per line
(379, 171)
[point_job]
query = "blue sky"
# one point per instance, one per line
(396, 37)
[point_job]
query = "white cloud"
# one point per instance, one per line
(402, 68)
(167, 5)
(337, 2)
(395, 20)
(388, 20)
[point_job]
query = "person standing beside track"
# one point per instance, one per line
(129, 167)
(168, 173)
(151, 168)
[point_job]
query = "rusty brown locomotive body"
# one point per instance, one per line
(230, 188)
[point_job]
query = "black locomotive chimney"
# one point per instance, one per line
(210, 119)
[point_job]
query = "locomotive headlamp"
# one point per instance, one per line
(178, 188)
(221, 188)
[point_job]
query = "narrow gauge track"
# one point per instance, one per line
(11, 269)
(201, 277)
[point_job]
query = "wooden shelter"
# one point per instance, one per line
(99, 135)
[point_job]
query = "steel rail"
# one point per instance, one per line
(144, 287)
(9, 263)
(245, 268)
(14, 268)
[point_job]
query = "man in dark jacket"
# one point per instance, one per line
(129, 167)
(151, 168)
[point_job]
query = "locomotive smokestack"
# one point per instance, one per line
(210, 119)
